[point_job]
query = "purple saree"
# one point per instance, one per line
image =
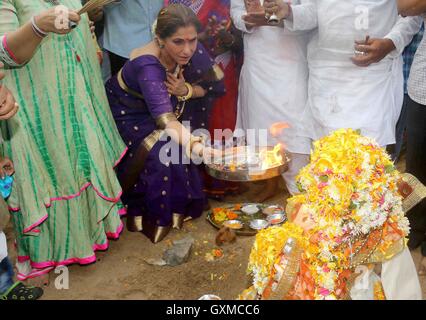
(164, 193)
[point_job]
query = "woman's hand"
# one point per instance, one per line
(211, 155)
(57, 20)
(8, 106)
(6, 167)
(176, 85)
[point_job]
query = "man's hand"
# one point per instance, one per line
(96, 14)
(372, 51)
(278, 7)
(255, 19)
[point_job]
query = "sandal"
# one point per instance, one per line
(21, 292)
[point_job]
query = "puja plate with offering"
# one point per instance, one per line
(247, 163)
(241, 222)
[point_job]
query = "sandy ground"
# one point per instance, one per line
(122, 273)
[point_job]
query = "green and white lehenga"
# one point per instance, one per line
(65, 202)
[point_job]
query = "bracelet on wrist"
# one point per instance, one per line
(40, 33)
(190, 145)
(189, 94)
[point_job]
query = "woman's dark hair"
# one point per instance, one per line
(173, 17)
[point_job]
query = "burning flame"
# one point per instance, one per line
(276, 129)
(271, 158)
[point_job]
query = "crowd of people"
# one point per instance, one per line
(85, 135)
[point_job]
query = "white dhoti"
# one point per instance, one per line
(273, 89)
(398, 277)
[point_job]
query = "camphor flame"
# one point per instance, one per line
(276, 129)
(271, 158)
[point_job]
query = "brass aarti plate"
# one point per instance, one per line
(250, 164)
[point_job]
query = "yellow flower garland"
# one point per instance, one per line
(349, 190)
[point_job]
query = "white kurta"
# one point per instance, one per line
(273, 81)
(342, 95)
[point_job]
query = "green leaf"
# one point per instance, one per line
(323, 178)
(389, 168)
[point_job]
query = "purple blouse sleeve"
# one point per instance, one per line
(151, 79)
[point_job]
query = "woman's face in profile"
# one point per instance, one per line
(182, 44)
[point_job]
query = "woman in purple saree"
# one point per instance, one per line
(147, 101)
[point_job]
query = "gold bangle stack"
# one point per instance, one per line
(189, 94)
(189, 146)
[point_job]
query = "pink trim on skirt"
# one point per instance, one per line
(41, 268)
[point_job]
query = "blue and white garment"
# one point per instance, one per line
(128, 25)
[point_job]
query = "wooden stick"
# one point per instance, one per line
(93, 4)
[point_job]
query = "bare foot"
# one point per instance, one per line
(40, 281)
(422, 267)
(268, 191)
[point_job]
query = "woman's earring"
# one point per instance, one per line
(160, 45)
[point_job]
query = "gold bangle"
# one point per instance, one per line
(164, 119)
(189, 146)
(189, 94)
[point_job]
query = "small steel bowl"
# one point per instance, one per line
(250, 209)
(276, 218)
(259, 224)
(273, 210)
(233, 224)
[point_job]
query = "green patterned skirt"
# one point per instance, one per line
(65, 201)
